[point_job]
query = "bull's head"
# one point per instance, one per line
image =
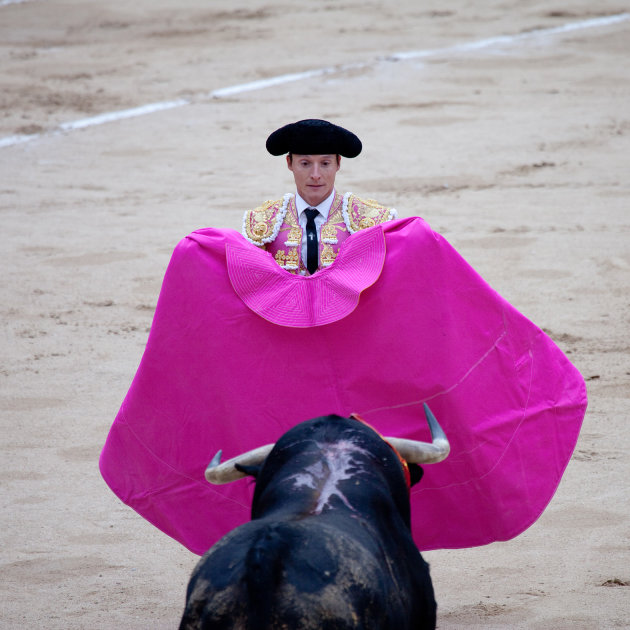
(412, 451)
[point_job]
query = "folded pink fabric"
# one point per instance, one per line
(240, 350)
(300, 301)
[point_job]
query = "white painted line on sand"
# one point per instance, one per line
(82, 123)
(10, 141)
(502, 40)
(262, 84)
(143, 110)
(507, 40)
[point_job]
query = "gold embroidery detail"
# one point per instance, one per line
(335, 215)
(327, 255)
(290, 218)
(280, 257)
(372, 203)
(260, 230)
(263, 213)
(328, 233)
(366, 222)
(260, 222)
(295, 236)
(365, 213)
(293, 257)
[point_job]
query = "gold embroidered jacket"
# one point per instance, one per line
(275, 227)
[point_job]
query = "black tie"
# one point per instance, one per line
(312, 253)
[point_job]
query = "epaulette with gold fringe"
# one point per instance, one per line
(359, 214)
(261, 225)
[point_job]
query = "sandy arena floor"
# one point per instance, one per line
(505, 129)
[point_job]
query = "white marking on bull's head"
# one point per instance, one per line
(324, 475)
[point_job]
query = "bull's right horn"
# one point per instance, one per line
(415, 452)
(218, 473)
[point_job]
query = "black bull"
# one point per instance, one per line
(329, 545)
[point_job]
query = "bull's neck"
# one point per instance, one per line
(318, 486)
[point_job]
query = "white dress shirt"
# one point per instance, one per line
(320, 219)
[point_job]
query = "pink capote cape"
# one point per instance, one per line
(240, 350)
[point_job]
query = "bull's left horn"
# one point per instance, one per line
(218, 473)
(416, 452)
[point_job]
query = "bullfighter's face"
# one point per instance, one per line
(314, 175)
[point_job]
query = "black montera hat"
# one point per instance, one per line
(313, 137)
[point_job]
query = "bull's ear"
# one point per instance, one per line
(252, 471)
(415, 473)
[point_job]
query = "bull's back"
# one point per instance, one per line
(308, 575)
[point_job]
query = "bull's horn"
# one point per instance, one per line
(218, 473)
(416, 452)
